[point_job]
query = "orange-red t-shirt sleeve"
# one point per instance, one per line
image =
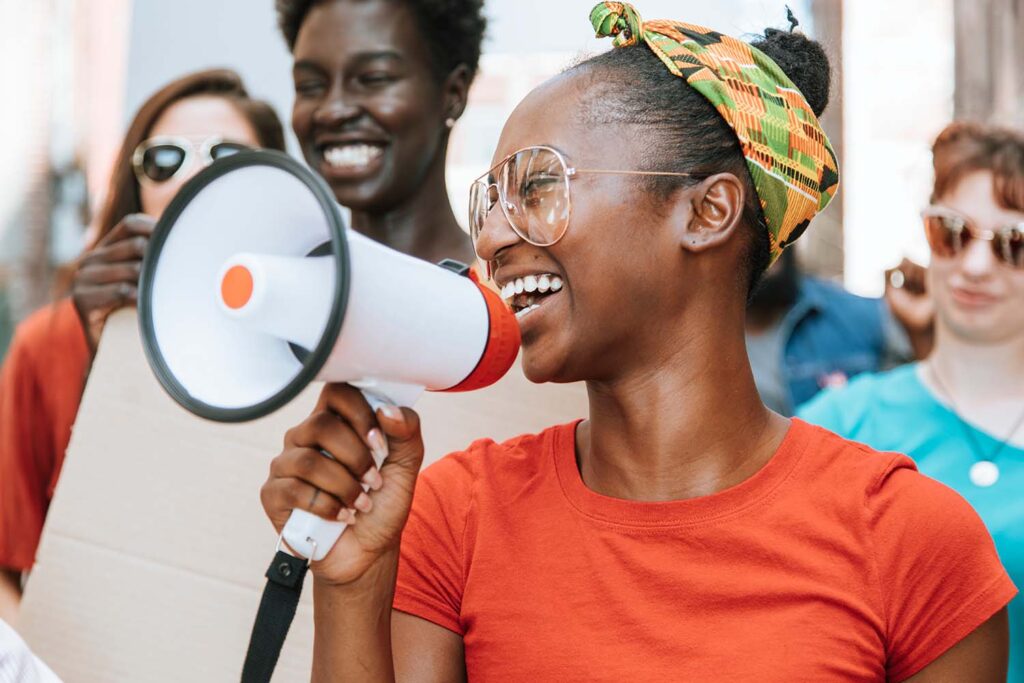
(939, 575)
(431, 571)
(26, 461)
(40, 389)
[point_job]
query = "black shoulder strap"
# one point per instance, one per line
(277, 610)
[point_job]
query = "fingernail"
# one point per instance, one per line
(347, 516)
(378, 444)
(373, 479)
(392, 413)
(363, 503)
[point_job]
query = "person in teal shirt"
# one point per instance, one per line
(960, 413)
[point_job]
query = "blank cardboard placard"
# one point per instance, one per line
(153, 554)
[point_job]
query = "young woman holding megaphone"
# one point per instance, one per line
(682, 531)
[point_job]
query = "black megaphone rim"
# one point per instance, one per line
(311, 363)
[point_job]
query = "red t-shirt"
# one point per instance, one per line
(40, 389)
(833, 562)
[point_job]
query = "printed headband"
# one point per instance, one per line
(790, 159)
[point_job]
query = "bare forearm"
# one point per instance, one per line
(352, 639)
(10, 595)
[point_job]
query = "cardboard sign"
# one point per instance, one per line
(153, 554)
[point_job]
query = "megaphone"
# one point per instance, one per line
(251, 288)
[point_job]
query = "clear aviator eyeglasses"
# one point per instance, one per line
(532, 187)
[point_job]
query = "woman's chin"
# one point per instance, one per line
(540, 367)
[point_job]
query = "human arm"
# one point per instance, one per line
(356, 636)
(27, 458)
(10, 594)
(941, 582)
(981, 657)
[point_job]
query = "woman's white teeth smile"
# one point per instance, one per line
(351, 155)
(524, 294)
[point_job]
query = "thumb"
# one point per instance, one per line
(401, 426)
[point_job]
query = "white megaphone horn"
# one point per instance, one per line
(252, 288)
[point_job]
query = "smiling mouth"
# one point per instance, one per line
(351, 156)
(526, 294)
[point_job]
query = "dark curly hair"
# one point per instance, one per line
(684, 131)
(454, 29)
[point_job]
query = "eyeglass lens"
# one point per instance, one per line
(949, 235)
(535, 184)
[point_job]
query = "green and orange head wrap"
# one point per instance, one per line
(790, 159)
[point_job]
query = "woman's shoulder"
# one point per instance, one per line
(502, 463)
(54, 328)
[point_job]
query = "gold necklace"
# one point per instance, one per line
(984, 472)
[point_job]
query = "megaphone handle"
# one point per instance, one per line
(313, 537)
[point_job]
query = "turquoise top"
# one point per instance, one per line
(894, 411)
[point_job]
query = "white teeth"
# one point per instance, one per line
(528, 309)
(541, 284)
(352, 155)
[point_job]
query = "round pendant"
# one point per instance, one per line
(984, 473)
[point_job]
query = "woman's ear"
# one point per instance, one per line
(456, 92)
(714, 212)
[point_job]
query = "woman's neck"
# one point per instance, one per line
(689, 425)
(423, 226)
(976, 373)
(983, 384)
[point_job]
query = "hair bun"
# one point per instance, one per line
(803, 60)
(618, 20)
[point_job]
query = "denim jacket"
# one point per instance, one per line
(830, 335)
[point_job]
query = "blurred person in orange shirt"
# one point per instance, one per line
(181, 128)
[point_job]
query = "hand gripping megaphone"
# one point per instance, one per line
(252, 288)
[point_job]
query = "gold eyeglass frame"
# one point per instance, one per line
(480, 185)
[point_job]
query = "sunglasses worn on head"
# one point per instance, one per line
(161, 158)
(532, 188)
(949, 233)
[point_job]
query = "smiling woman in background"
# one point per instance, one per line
(960, 413)
(181, 129)
(379, 84)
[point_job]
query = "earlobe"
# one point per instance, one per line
(456, 92)
(715, 212)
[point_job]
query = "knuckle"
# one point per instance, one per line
(307, 463)
(276, 467)
(323, 422)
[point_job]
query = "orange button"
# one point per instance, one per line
(236, 287)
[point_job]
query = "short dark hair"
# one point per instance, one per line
(123, 197)
(685, 133)
(453, 29)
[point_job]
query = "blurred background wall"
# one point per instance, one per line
(73, 72)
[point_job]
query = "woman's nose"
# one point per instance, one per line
(495, 234)
(336, 108)
(978, 260)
